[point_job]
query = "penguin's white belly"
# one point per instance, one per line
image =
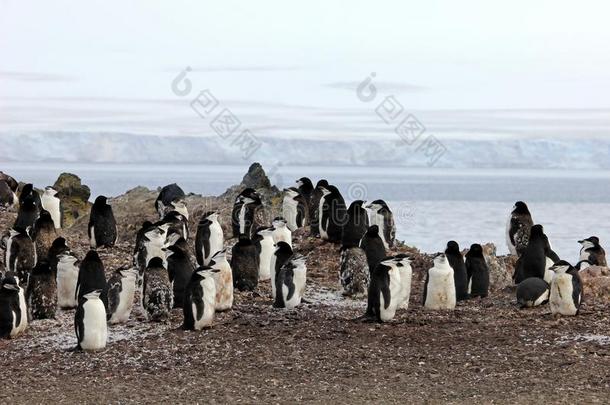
(561, 301)
(7, 256)
(92, 241)
(95, 330)
(15, 329)
(209, 306)
(216, 242)
(441, 290)
(511, 248)
(126, 297)
(405, 286)
(23, 324)
(51, 204)
(289, 212)
(282, 235)
(377, 219)
(224, 288)
(294, 301)
(272, 275)
(548, 276)
(67, 277)
(396, 298)
(155, 250)
(386, 314)
(264, 271)
(242, 219)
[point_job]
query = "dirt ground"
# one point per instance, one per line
(485, 351)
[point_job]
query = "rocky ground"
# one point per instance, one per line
(485, 351)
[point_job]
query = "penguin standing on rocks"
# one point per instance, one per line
(41, 293)
(456, 261)
(382, 216)
(157, 296)
(58, 247)
(281, 233)
(373, 247)
(518, 229)
(91, 277)
(439, 288)
(353, 271)
(152, 245)
(28, 213)
(266, 247)
(290, 283)
(245, 264)
(140, 239)
(175, 222)
(295, 209)
(167, 195)
(532, 262)
(384, 296)
(44, 234)
(283, 253)
(102, 225)
(51, 203)
(20, 255)
(121, 293)
(532, 292)
(305, 187)
(8, 198)
(566, 290)
(224, 281)
(592, 252)
(178, 206)
(356, 224)
(478, 272)
(403, 262)
(314, 212)
(243, 217)
(331, 213)
(200, 299)
(28, 192)
(90, 322)
(180, 269)
(13, 315)
(67, 270)
(209, 239)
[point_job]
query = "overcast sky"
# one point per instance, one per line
(285, 69)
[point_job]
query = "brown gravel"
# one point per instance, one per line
(485, 351)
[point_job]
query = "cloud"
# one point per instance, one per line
(386, 87)
(221, 69)
(34, 77)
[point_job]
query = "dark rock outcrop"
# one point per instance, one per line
(74, 198)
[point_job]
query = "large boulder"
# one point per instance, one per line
(74, 198)
(501, 268)
(596, 283)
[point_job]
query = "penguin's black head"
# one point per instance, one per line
(10, 281)
(452, 247)
(476, 250)
(28, 203)
(100, 201)
(155, 262)
(175, 249)
(247, 192)
(146, 224)
(305, 182)
(356, 204)
(27, 189)
(593, 239)
(521, 208)
(59, 243)
(537, 231)
(92, 256)
(283, 248)
(372, 231)
(45, 215)
(322, 183)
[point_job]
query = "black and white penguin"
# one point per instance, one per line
(331, 213)
(314, 212)
(12, 183)
(121, 293)
(174, 221)
(51, 203)
(305, 187)
(180, 269)
(592, 252)
(280, 231)
(533, 260)
(456, 261)
(67, 270)
(140, 238)
(152, 245)
(385, 291)
(295, 209)
(27, 214)
(178, 206)
(90, 322)
(41, 294)
(157, 295)
(382, 216)
(439, 287)
(13, 315)
(373, 247)
(243, 218)
(354, 272)
(175, 239)
(224, 281)
(532, 292)
(566, 290)
(478, 272)
(518, 228)
(8, 198)
(167, 195)
(200, 299)
(44, 234)
(355, 226)
(58, 247)
(20, 256)
(102, 225)
(403, 262)
(266, 247)
(283, 253)
(209, 238)
(290, 283)
(91, 277)
(245, 264)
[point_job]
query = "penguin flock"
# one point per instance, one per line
(43, 274)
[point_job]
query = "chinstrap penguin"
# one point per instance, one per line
(478, 272)
(224, 281)
(532, 292)
(102, 227)
(41, 293)
(382, 216)
(209, 238)
(295, 209)
(439, 288)
(200, 299)
(290, 283)
(90, 322)
(518, 228)
(456, 261)
(121, 293)
(51, 203)
(566, 290)
(245, 264)
(157, 294)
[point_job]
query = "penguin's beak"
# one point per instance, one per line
(581, 241)
(13, 287)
